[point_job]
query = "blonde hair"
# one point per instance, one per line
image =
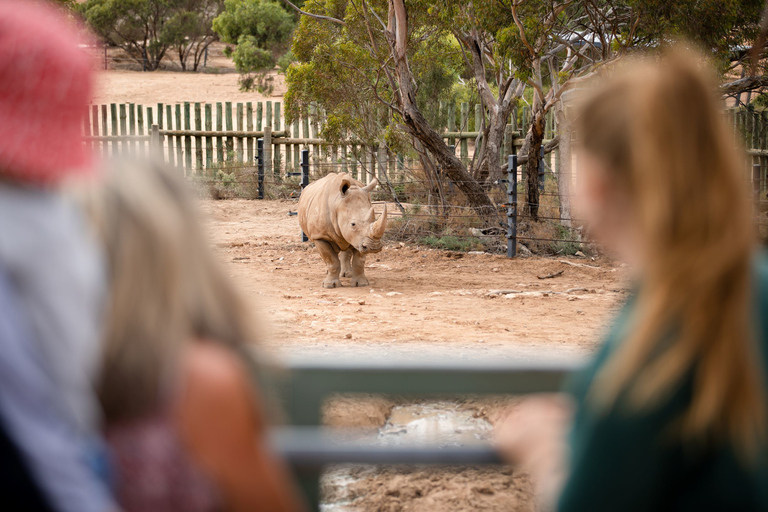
(166, 288)
(658, 128)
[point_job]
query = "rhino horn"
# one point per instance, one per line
(378, 227)
(371, 186)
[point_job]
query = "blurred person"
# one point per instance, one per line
(52, 283)
(184, 417)
(671, 412)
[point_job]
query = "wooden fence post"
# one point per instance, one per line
(170, 139)
(315, 147)
(187, 138)
(155, 142)
(464, 127)
(382, 162)
(240, 151)
(296, 148)
(478, 125)
(179, 145)
(123, 129)
(219, 139)
(208, 139)
(198, 140)
(150, 122)
(95, 117)
(278, 156)
(268, 149)
(104, 129)
(249, 127)
(140, 129)
(132, 145)
(228, 119)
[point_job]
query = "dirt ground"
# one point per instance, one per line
(217, 83)
(420, 303)
(419, 299)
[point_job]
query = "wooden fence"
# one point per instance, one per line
(203, 137)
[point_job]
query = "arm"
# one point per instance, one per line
(29, 405)
(534, 437)
(220, 422)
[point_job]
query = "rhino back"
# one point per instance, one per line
(316, 209)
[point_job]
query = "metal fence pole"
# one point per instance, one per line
(541, 173)
(512, 206)
(260, 165)
(304, 180)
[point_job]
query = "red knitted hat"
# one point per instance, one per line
(46, 79)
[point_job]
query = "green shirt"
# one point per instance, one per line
(622, 461)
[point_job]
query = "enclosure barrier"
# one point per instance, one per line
(202, 138)
(219, 148)
(308, 447)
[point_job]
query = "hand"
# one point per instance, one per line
(534, 437)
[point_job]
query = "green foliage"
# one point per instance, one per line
(452, 243)
(260, 29)
(718, 26)
(285, 60)
(760, 101)
(337, 68)
(565, 246)
(145, 29)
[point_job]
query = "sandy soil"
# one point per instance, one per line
(217, 83)
(419, 299)
(174, 86)
(420, 303)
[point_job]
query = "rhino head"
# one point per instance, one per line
(356, 219)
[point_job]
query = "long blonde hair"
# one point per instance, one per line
(658, 128)
(166, 288)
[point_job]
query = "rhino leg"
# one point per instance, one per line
(346, 266)
(358, 270)
(331, 260)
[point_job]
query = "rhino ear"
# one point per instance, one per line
(344, 187)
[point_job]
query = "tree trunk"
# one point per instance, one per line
(418, 126)
(532, 148)
(564, 165)
(454, 170)
(491, 167)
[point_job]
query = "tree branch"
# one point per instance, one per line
(545, 150)
(748, 83)
(315, 16)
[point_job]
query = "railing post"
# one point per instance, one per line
(512, 206)
(541, 171)
(304, 180)
(260, 166)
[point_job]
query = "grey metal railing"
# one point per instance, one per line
(310, 381)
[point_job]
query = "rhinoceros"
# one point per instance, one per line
(336, 213)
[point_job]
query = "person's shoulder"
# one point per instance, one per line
(214, 367)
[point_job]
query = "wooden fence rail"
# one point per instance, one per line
(202, 138)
